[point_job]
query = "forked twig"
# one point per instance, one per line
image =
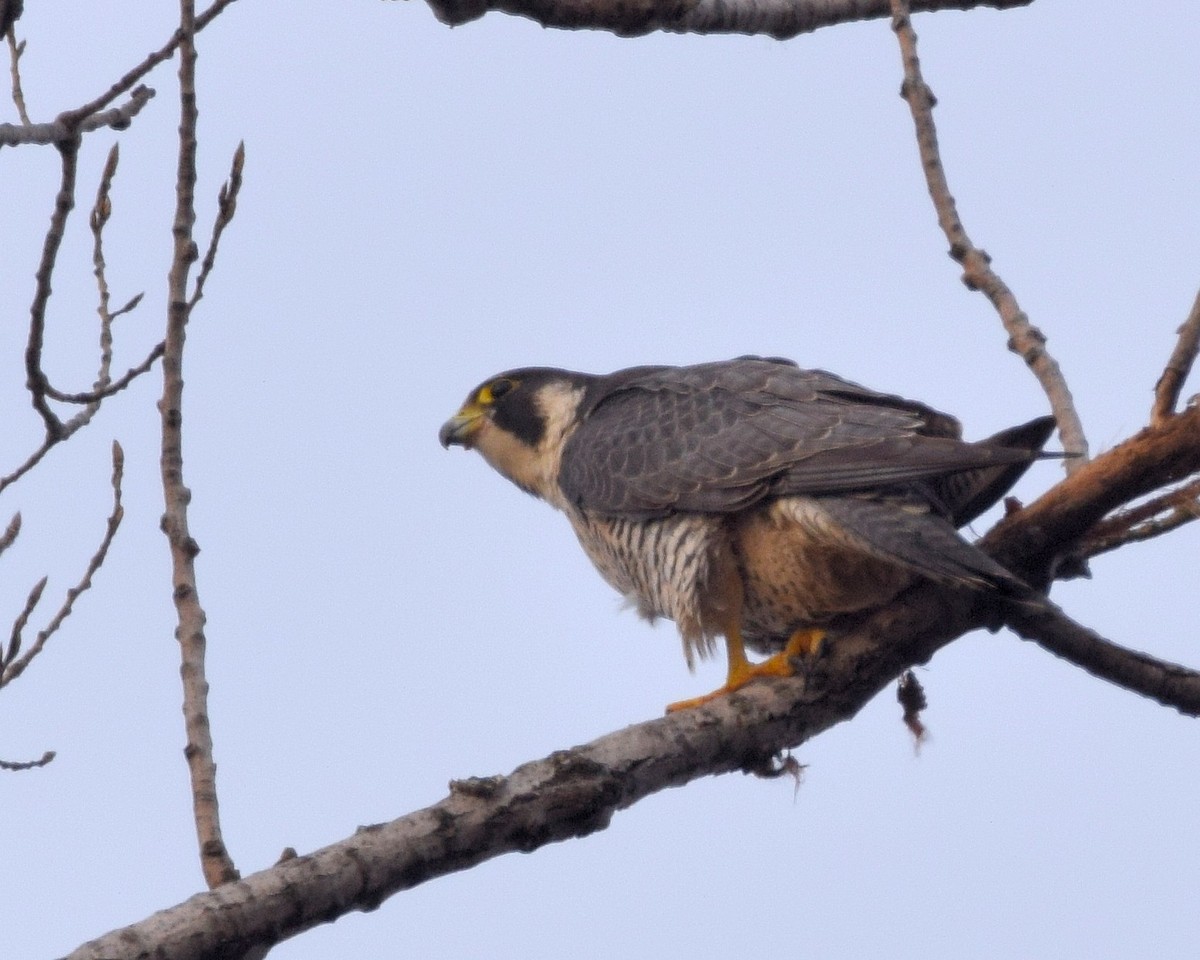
(13, 668)
(67, 126)
(38, 383)
(1024, 338)
(164, 53)
(18, 628)
(1145, 521)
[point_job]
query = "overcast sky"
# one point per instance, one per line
(425, 206)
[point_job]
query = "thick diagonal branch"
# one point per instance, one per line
(569, 794)
(575, 792)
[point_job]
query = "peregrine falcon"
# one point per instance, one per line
(750, 499)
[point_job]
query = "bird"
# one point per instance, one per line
(750, 500)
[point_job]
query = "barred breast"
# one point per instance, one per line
(663, 567)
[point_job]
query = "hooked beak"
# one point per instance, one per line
(461, 427)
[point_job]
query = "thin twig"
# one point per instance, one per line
(9, 537)
(69, 125)
(1024, 338)
(164, 53)
(15, 52)
(64, 203)
(28, 764)
(101, 211)
(1166, 391)
(18, 628)
(93, 397)
(39, 385)
(226, 208)
(47, 444)
(15, 669)
(1144, 521)
(215, 861)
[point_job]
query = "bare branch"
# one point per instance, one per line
(9, 537)
(226, 208)
(93, 397)
(15, 52)
(14, 669)
(31, 461)
(1032, 541)
(101, 211)
(36, 380)
(64, 203)
(126, 83)
(1166, 391)
(18, 628)
(570, 793)
(777, 18)
(1144, 522)
(68, 126)
(1169, 683)
(1024, 338)
(215, 861)
(28, 764)
(575, 792)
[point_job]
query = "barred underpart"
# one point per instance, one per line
(662, 567)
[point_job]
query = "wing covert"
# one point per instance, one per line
(719, 437)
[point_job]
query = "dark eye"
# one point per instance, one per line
(500, 387)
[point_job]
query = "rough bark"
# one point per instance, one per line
(776, 18)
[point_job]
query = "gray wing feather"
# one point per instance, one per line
(719, 437)
(909, 534)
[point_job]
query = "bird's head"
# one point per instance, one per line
(519, 421)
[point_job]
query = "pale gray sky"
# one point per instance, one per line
(426, 206)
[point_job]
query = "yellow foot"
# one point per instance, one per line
(802, 645)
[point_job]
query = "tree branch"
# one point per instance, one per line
(1035, 540)
(67, 126)
(777, 18)
(1024, 338)
(37, 382)
(28, 764)
(14, 668)
(126, 83)
(575, 792)
(1144, 521)
(15, 52)
(1170, 684)
(569, 794)
(226, 208)
(64, 203)
(215, 861)
(1166, 391)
